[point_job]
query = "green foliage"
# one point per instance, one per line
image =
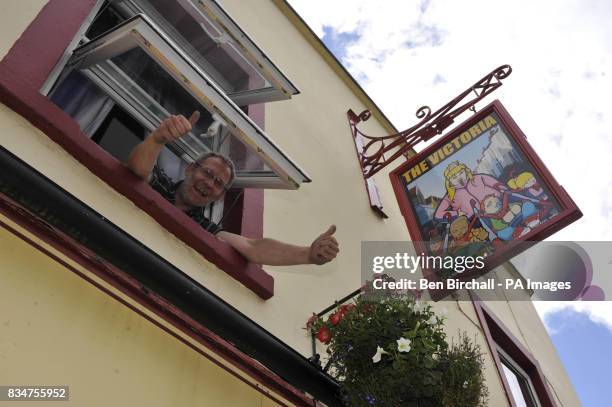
(414, 367)
(463, 379)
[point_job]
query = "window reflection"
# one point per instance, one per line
(519, 386)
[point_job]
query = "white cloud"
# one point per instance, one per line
(408, 54)
(598, 312)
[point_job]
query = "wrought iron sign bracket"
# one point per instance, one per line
(375, 153)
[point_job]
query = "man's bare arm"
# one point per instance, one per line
(276, 253)
(143, 157)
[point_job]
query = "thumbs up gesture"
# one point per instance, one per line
(174, 127)
(324, 248)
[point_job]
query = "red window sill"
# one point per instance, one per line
(22, 73)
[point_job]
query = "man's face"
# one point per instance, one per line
(204, 182)
(459, 180)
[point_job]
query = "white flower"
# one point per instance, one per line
(432, 320)
(379, 352)
(417, 306)
(435, 356)
(465, 384)
(403, 345)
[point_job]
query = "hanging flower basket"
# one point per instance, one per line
(393, 352)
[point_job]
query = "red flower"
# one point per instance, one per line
(335, 317)
(324, 335)
(346, 308)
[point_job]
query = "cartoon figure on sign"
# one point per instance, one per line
(462, 187)
(463, 231)
(526, 186)
(526, 183)
(508, 220)
(467, 239)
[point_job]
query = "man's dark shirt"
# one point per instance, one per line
(163, 184)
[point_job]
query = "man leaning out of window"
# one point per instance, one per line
(206, 180)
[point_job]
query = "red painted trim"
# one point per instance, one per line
(36, 52)
(569, 210)
(497, 333)
(253, 209)
(149, 300)
(250, 205)
(22, 73)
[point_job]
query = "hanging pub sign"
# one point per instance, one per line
(480, 192)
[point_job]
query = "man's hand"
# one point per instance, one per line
(325, 247)
(143, 157)
(174, 127)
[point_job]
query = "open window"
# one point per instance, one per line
(140, 68)
(50, 80)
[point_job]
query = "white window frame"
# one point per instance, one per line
(518, 371)
(210, 13)
(140, 31)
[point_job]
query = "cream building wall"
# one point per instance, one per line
(58, 329)
(313, 130)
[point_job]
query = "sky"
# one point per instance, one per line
(407, 54)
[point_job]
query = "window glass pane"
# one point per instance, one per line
(105, 122)
(209, 37)
(231, 70)
(161, 95)
(141, 72)
(212, 49)
(519, 387)
(119, 134)
(107, 18)
(134, 73)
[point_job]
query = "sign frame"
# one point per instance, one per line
(567, 210)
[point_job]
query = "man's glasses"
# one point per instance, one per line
(208, 174)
